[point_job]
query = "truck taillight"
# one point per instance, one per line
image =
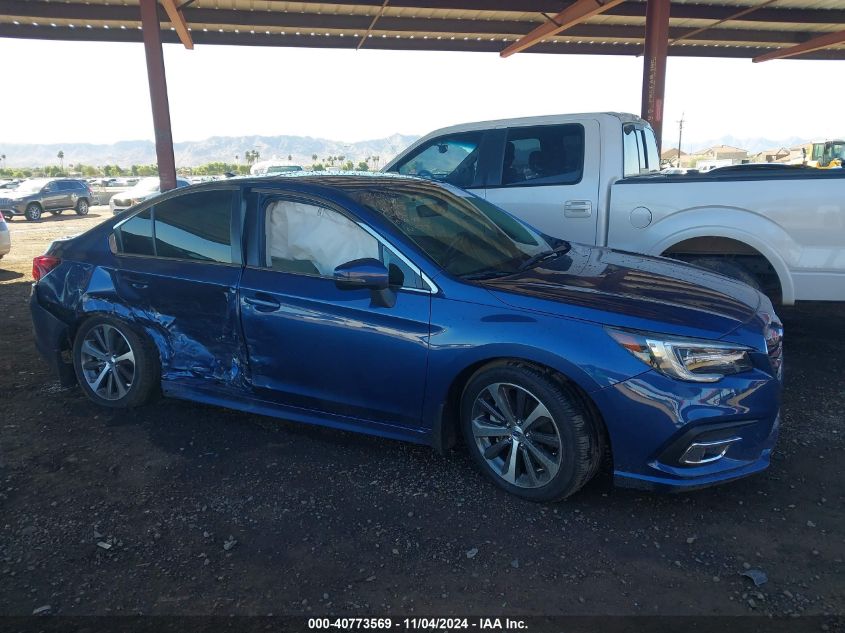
(43, 264)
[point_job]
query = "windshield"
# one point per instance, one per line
(31, 186)
(463, 234)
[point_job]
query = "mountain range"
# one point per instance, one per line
(213, 149)
(300, 148)
(753, 144)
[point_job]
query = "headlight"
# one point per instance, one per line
(686, 359)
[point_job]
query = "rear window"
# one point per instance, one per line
(196, 226)
(640, 151)
(543, 155)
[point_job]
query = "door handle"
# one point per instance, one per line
(578, 208)
(139, 283)
(263, 305)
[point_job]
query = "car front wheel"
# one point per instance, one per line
(115, 366)
(33, 212)
(529, 433)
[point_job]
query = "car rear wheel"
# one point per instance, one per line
(531, 435)
(82, 207)
(115, 366)
(33, 212)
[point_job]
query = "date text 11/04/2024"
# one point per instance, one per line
(432, 624)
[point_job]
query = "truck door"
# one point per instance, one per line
(546, 177)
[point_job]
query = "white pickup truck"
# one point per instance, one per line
(594, 178)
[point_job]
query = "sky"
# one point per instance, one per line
(97, 92)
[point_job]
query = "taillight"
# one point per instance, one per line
(43, 264)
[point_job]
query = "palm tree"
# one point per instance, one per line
(3, 158)
(314, 157)
(61, 157)
(290, 158)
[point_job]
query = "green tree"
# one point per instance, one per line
(61, 157)
(313, 157)
(348, 166)
(363, 166)
(318, 167)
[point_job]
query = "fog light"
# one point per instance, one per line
(707, 452)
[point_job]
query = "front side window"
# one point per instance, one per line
(452, 159)
(196, 226)
(544, 155)
(310, 239)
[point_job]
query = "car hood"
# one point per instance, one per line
(11, 194)
(624, 289)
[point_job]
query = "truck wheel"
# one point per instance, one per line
(728, 268)
(82, 207)
(33, 212)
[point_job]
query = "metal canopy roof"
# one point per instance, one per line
(745, 29)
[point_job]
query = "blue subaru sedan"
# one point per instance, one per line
(416, 311)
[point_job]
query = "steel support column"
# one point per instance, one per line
(654, 64)
(158, 94)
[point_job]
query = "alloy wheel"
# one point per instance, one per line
(108, 362)
(517, 435)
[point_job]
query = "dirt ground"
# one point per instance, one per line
(178, 508)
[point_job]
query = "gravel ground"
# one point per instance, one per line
(178, 508)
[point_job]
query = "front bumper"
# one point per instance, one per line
(660, 429)
(51, 339)
(13, 209)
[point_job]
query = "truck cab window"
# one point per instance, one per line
(452, 159)
(544, 155)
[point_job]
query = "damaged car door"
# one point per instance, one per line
(322, 343)
(180, 260)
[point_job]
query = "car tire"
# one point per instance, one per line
(115, 365)
(33, 212)
(82, 207)
(729, 268)
(530, 434)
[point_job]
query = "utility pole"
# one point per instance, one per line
(680, 136)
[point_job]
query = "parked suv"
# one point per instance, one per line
(33, 197)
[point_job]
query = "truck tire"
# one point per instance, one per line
(729, 268)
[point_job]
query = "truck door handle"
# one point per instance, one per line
(263, 305)
(577, 209)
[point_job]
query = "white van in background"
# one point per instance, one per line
(273, 168)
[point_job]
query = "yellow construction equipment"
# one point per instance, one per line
(827, 155)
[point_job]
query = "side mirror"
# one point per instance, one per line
(366, 273)
(369, 274)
